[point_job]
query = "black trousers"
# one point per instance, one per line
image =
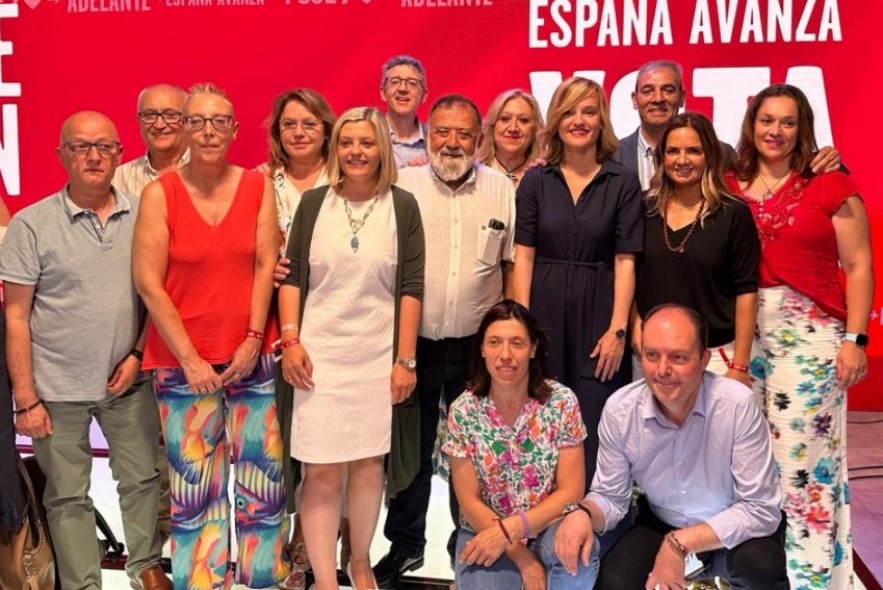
(12, 499)
(442, 373)
(756, 564)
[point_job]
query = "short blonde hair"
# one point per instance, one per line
(388, 172)
(204, 89)
(488, 150)
(570, 93)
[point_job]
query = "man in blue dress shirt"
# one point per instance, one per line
(698, 446)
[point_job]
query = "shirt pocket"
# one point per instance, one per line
(489, 245)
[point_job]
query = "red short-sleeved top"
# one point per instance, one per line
(210, 273)
(798, 245)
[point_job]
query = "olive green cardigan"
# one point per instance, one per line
(403, 461)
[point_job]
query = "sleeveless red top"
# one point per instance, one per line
(798, 245)
(210, 273)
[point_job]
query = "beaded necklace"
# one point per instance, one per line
(683, 245)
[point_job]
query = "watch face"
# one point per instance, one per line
(620, 333)
(861, 339)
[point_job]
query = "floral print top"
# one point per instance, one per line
(516, 464)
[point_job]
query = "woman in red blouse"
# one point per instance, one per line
(812, 333)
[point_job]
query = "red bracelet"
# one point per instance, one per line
(249, 333)
(503, 528)
(730, 364)
(288, 343)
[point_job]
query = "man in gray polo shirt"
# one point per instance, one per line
(73, 327)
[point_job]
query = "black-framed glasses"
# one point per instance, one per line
(82, 148)
(219, 122)
(149, 116)
(412, 83)
(462, 134)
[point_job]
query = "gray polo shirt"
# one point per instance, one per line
(86, 314)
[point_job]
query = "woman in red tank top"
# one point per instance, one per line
(812, 333)
(205, 244)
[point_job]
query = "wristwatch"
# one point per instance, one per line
(619, 333)
(859, 339)
(573, 507)
(408, 362)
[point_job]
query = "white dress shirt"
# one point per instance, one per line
(463, 252)
(646, 163)
(133, 176)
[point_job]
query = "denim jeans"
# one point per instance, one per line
(504, 575)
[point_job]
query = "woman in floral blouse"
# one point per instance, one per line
(515, 443)
(812, 333)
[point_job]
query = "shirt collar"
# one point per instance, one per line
(421, 134)
(608, 166)
(121, 203)
(185, 157)
(643, 146)
(650, 409)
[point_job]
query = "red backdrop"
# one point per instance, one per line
(61, 56)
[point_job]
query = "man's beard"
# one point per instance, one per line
(451, 165)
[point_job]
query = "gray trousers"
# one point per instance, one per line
(129, 424)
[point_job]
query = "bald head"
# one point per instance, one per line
(159, 116)
(88, 123)
(162, 96)
(90, 151)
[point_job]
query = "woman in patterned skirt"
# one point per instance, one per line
(811, 332)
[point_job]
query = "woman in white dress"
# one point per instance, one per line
(349, 311)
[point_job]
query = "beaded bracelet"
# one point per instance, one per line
(249, 333)
(676, 545)
(21, 411)
(288, 343)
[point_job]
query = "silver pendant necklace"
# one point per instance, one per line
(356, 224)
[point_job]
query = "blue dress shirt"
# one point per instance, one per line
(716, 468)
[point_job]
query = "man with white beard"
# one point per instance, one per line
(468, 213)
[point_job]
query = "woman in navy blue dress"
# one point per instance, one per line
(579, 223)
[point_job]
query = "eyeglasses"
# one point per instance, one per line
(412, 83)
(462, 134)
(219, 122)
(309, 126)
(149, 116)
(82, 148)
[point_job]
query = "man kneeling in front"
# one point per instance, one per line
(698, 447)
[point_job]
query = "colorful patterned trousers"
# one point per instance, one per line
(203, 433)
(806, 409)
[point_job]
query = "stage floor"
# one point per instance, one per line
(865, 431)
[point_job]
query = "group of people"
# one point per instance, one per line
(313, 318)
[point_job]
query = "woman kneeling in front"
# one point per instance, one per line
(515, 440)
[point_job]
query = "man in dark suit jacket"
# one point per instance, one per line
(658, 96)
